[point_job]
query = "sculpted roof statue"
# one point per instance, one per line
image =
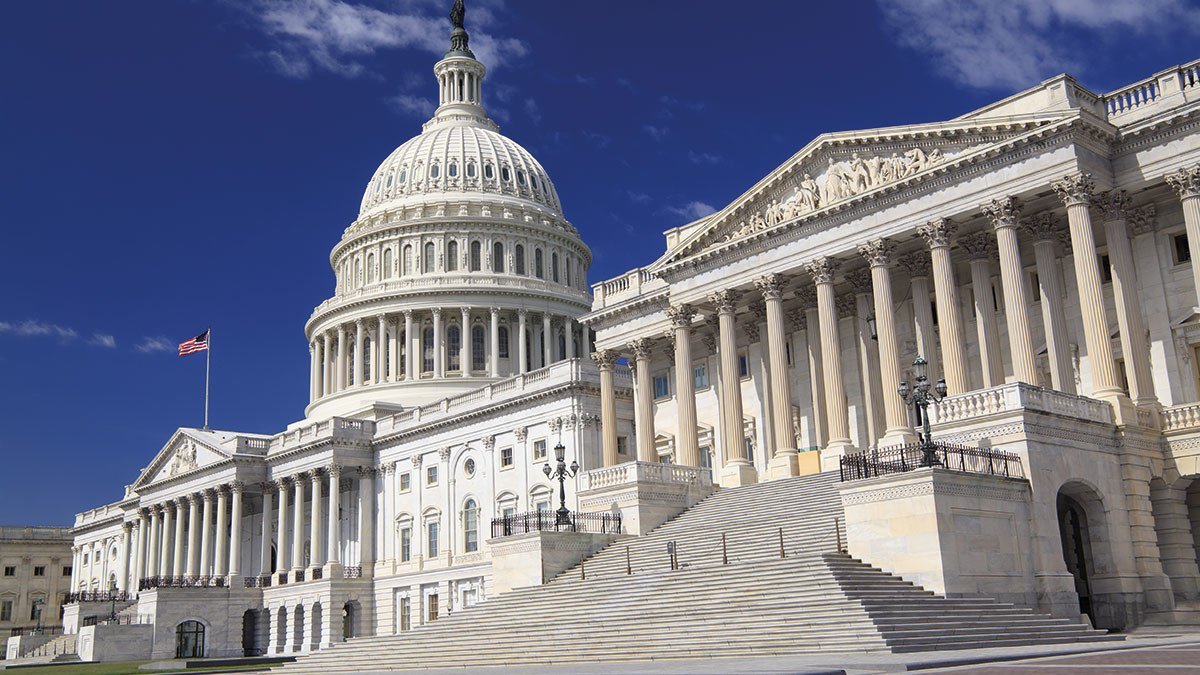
(457, 12)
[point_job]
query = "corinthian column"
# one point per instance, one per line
(980, 249)
(737, 469)
(917, 266)
(606, 360)
(177, 552)
(785, 461)
(878, 255)
(235, 530)
(314, 380)
(206, 535)
(1114, 213)
(221, 559)
(868, 353)
(1054, 321)
(687, 446)
(341, 358)
(315, 554)
(837, 423)
(547, 340)
(333, 538)
(193, 556)
(1076, 192)
(264, 556)
(465, 344)
(359, 377)
(281, 536)
(298, 525)
(410, 348)
(164, 544)
(380, 347)
(522, 341)
(644, 420)
(1186, 183)
(1004, 214)
(494, 355)
(937, 235)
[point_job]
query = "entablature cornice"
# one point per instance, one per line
(639, 305)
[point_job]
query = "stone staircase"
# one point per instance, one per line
(62, 649)
(631, 601)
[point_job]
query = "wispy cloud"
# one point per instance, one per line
(601, 141)
(692, 210)
(638, 197)
(150, 345)
(339, 37)
(532, 111)
(411, 104)
(35, 328)
(102, 340)
(703, 157)
(585, 80)
(658, 133)
(1017, 43)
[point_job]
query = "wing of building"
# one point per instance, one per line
(1038, 254)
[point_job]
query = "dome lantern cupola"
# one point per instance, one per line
(460, 80)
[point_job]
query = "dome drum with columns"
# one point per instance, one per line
(459, 270)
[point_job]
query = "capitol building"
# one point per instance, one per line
(1040, 254)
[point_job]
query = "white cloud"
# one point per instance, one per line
(414, 105)
(337, 36)
(532, 110)
(657, 133)
(1014, 44)
(102, 340)
(638, 197)
(692, 210)
(149, 345)
(703, 157)
(34, 328)
(599, 140)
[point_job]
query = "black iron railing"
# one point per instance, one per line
(181, 582)
(282, 578)
(543, 521)
(258, 582)
(120, 620)
(34, 630)
(941, 455)
(318, 573)
(96, 596)
(352, 572)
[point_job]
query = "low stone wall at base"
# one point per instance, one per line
(20, 645)
(104, 642)
(534, 558)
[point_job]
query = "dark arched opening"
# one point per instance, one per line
(189, 640)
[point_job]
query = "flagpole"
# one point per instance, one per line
(207, 364)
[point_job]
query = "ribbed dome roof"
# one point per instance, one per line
(453, 161)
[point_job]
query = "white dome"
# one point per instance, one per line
(450, 161)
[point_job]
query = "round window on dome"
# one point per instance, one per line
(452, 170)
(471, 170)
(435, 171)
(489, 172)
(469, 467)
(521, 178)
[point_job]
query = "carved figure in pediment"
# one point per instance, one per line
(184, 459)
(935, 157)
(916, 162)
(810, 193)
(858, 176)
(757, 223)
(835, 179)
(874, 164)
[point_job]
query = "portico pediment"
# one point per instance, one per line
(188, 450)
(837, 171)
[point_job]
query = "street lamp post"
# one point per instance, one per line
(562, 472)
(919, 397)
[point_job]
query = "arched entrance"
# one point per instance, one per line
(281, 634)
(1077, 549)
(315, 627)
(189, 640)
(250, 628)
(350, 619)
(298, 628)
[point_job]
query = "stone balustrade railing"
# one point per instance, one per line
(1140, 95)
(1018, 396)
(1185, 417)
(645, 472)
(633, 283)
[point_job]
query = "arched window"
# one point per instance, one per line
(498, 258)
(503, 342)
(470, 169)
(562, 346)
(370, 268)
(408, 268)
(538, 270)
(435, 171)
(453, 345)
(389, 181)
(470, 522)
(451, 256)
(429, 260)
(567, 268)
(476, 256)
(427, 351)
(489, 172)
(351, 377)
(521, 178)
(357, 272)
(477, 355)
(505, 174)
(403, 175)
(452, 170)
(554, 267)
(387, 263)
(189, 640)
(367, 356)
(519, 255)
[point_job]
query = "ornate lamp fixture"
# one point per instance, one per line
(919, 397)
(562, 472)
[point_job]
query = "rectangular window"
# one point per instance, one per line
(432, 615)
(431, 536)
(743, 364)
(67, 571)
(539, 449)
(405, 482)
(405, 544)
(431, 476)
(405, 613)
(622, 445)
(1105, 268)
(1180, 250)
(508, 511)
(10, 571)
(506, 457)
(542, 506)
(787, 347)
(662, 386)
(748, 448)
(39, 570)
(6, 610)
(700, 374)
(468, 597)
(1035, 287)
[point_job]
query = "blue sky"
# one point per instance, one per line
(166, 166)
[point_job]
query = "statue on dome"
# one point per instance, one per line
(457, 12)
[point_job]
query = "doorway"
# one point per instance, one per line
(189, 640)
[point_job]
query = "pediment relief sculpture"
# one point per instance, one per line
(184, 459)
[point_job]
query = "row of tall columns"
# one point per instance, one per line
(334, 368)
(175, 539)
(324, 525)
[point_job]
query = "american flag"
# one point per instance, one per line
(196, 344)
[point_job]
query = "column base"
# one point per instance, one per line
(895, 437)
(738, 473)
(833, 452)
(332, 570)
(785, 464)
(234, 580)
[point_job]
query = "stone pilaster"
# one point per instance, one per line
(1186, 183)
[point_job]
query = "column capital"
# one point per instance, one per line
(489, 443)
(877, 253)
(1075, 188)
(268, 486)
(937, 232)
(641, 348)
(365, 471)
(208, 494)
(521, 433)
(724, 300)
(605, 358)
(978, 246)
(860, 281)
(669, 345)
(1111, 205)
(444, 453)
(681, 315)
(1143, 220)
(334, 470)
(237, 486)
(1003, 212)
(494, 311)
(522, 313)
(437, 312)
(1042, 226)
(181, 502)
(341, 329)
(126, 526)
(753, 330)
(821, 270)
(380, 316)
(408, 313)
(770, 285)
(358, 323)
(916, 264)
(1185, 182)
